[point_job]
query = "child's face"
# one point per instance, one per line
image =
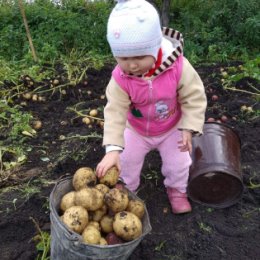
(136, 65)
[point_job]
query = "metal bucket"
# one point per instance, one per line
(68, 245)
(215, 175)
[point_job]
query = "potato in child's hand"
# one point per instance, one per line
(111, 177)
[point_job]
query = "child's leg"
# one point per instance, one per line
(175, 164)
(175, 168)
(132, 158)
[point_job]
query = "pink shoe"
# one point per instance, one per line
(179, 201)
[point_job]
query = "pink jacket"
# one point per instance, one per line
(154, 106)
(173, 96)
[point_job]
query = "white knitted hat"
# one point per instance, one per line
(134, 29)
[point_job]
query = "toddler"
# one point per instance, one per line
(155, 100)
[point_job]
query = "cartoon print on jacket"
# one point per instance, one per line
(162, 110)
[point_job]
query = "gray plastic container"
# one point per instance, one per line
(68, 245)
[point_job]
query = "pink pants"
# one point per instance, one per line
(175, 164)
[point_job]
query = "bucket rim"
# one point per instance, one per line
(218, 205)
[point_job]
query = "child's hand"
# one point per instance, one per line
(185, 143)
(109, 160)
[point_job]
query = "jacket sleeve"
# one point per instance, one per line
(192, 98)
(115, 114)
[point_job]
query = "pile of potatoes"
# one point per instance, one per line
(100, 209)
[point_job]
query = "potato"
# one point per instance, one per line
(37, 124)
(137, 207)
(55, 82)
(75, 218)
(67, 201)
(93, 112)
(113, 239)
(27, 95)
(89, 198)
(99, 213)
(91, 235)
(34, 97)
(86, 120)
(103, 241)
(111, 177)
(94, 224)
(102, 187)
(127, 225)
(83, 177)
(106, 224)
(116, 200)
(41, 99)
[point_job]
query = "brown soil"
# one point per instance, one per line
(205, 233)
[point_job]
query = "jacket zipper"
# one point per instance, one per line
(150, 89)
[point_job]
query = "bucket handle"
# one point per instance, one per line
(71, 237)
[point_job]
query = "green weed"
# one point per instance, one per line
(247, 113)
(14, 121)
(252, 184)
(15, 129)
(209, 210)
(160, 246)
(24, 193)
(249, 213)
(151, 175)
(8, 71)
(16, 156)
(43, 240)
(46, 205)
(28, 190)
(250, 69)
(204, 227)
